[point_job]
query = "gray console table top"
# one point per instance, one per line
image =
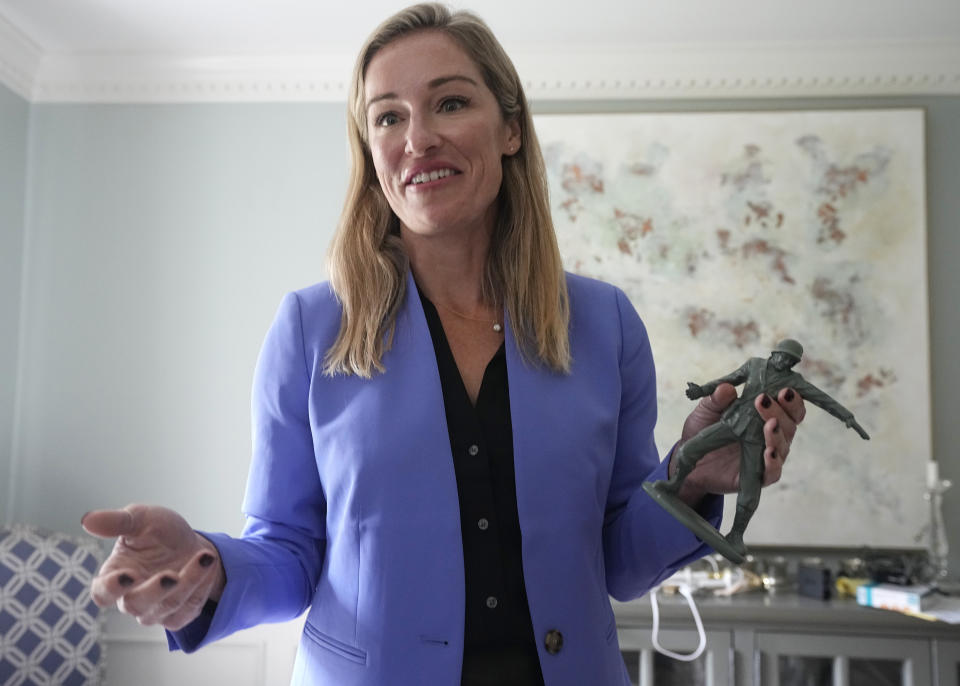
(779, 611)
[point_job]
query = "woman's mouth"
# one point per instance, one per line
(426, 177)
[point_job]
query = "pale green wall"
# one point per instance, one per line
(14, 127)
(161, 239)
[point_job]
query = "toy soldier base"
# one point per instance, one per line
(700, 527)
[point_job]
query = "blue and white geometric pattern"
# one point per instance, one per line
(50, 629)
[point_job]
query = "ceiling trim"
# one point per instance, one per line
(742, 71)
(663, 72)
(19, 59)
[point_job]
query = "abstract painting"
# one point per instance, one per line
(730, 231)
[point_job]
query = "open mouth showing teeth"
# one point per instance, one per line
(424, 177)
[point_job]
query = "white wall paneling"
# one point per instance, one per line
(262, 656)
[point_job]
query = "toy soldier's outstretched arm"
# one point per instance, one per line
(735, 378)
(812, 394)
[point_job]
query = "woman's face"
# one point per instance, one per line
(437, 136)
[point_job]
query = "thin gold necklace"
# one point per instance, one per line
(496, 325)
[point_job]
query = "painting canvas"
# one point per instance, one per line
(731, 231)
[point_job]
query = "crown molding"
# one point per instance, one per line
(183, 79)
(19, 59)
(626, 72)
(748, 71)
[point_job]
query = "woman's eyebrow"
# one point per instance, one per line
(433, 83)
(440, 80)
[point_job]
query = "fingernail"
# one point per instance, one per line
(125, 580)
(168, 582)
(206, 560)
(766, 402)
(789, 395)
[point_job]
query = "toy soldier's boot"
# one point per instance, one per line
(735, 539)
(684, 467)
(735, 535)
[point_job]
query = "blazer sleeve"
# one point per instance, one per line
(274, 566)
(643, 544)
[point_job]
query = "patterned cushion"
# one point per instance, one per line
(50, 629)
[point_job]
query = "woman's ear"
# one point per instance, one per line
(514, 137)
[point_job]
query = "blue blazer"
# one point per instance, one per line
(352, 507)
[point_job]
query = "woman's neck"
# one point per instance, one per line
(449, 272)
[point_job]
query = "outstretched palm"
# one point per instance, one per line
(160, 570)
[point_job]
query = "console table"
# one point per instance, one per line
(783, 639)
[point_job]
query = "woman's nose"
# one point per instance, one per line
(421, 135)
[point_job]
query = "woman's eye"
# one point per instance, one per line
(387, 119)
(453, 104)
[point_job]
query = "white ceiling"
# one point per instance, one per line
(302, 49)
(282, 26)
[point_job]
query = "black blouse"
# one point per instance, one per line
(499, 644)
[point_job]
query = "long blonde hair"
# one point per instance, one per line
(524, 272)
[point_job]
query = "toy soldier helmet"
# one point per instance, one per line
(790, 347)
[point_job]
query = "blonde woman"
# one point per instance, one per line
(451, 434)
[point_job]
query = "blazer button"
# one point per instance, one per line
(553, 641)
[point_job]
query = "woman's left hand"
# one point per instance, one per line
(719, 471)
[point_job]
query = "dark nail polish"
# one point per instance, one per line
(766, 402)
(206, 560)
(789, 395)
(125, 580)
(168, 582)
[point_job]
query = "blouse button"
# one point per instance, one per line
(483, 524)
(553, 641)
(473, 449)
(491, 602)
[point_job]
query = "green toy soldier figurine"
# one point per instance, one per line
(742, 423)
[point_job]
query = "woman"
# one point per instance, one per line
(451, 435)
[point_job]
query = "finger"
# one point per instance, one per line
(772, 467)
(792, 404)
(720, 399)
(108, 523)
(708, 410)
(775, 440)
(769, 409)
(186, 594)
(193, 591)
(106, 589)
(189, 610)
(144, 601)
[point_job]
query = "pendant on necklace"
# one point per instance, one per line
(497, 327)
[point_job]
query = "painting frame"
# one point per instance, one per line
(731, 230)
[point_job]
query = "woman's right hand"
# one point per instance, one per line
(160, 570)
